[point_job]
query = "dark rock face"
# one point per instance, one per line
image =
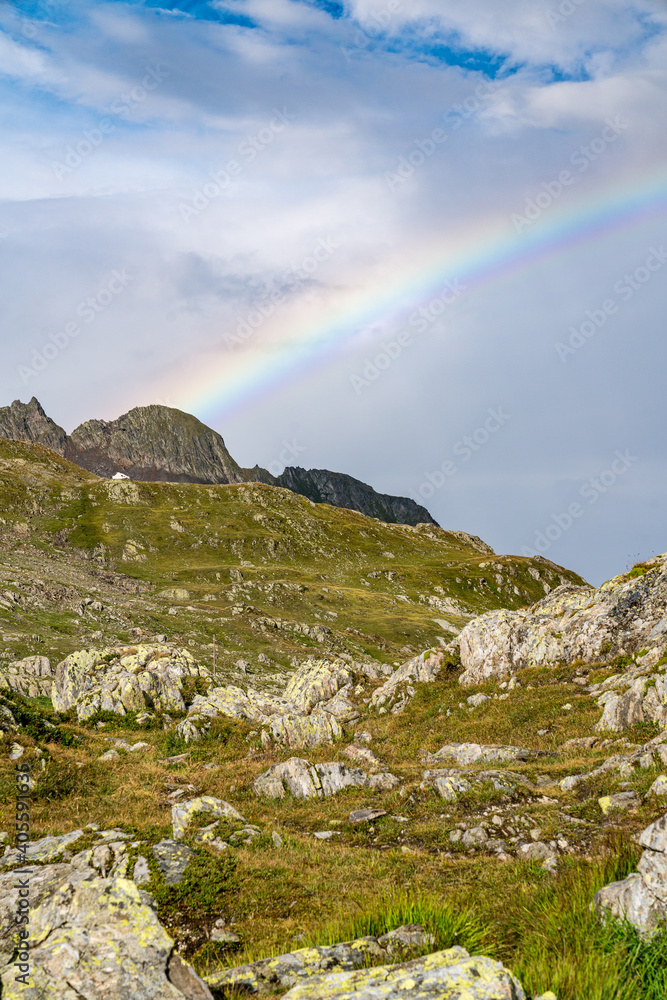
(29, 422)
(161, 444)
(154, 443)
(339, 490)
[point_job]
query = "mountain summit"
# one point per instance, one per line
(161, 444)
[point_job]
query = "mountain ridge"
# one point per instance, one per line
(158, 443)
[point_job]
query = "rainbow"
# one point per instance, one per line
(216, 387)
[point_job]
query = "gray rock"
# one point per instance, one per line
(365, 815)
(654, 837)
(632, 900)
(308, 964)
(451, 782)
(464, 754)
(47, 849)
(475, 837)
(123, 679)
(578, 624)
(396, 692)
(172, 859)
(141, 872)
(304, 781)
(92, 938)
(439, 976)
(182, 812)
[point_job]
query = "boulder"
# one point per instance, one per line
(182, 812)
(444, 975)
(123, 679)
(450, 782)
(43, 850)
(91, 938)
(316, 681)
(306, 715)
(305, 781)
(641, 898)
(624, 616)
(476, 753)
(269, 974)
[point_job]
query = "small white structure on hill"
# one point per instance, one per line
(120, 475)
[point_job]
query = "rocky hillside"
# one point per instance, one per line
(162, 444)
(279, 748)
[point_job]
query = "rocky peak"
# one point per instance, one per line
(29, 422)
(154, 443)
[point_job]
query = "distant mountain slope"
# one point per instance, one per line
(340, 490)
(162, 444)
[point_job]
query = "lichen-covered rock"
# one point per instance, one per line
(32, 677)
(46, 849)
(641, 898)
(91, 939)
(396, 692)
(305, 781)
(316, 681)
(296, 719)
(445, 975)
(624, 616)
(268, 974)
(451, 782)
(182, 812)
(172, 860)
(123, 679)
(476, 753)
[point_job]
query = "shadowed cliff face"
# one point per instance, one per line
(162, 444)
(339, 490)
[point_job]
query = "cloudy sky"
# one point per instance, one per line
(419, 241)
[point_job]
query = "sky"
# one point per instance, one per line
(422, 242)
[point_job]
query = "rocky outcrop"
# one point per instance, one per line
(339, 490)
(183, 812)
(307, 714)
(444, 975)
(305, 781)
(89, 938)
(641, 898)
(269, 974)
(154, 443)
(31, 676)
(122, 679)
(625, 616)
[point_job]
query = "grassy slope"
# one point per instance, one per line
(242, 552)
